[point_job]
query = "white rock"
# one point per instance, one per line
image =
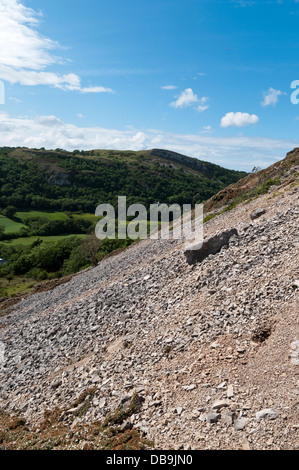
(218, 404)
(267, 413)
(240, 423)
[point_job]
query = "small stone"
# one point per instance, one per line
(241, 349)
(294, 353)
(230, 391)
(218, 404)
(94, 328)
(144, 430)
(155, 403)
(76, 409)
(212, 417)
(56, 384)
(240, 423)
(267, 413)
(222, 385)
(126, 425)
(228, 417)
(189, 387)
(102, 402)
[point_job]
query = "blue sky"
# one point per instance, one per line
(210, 79)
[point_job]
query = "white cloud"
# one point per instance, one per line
(25, 54)
(202, 106)
(169, 87)
(21, 45)
(238, 119)
(271, 97)
(188, 98)
(52, 132)
(95, 89)
(207, 129)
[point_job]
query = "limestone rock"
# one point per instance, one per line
(211, 246)
(257, 213)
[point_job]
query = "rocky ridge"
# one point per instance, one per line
(212, 347)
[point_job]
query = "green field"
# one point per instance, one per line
(10, 226)
(44, 215)
(29, 240)
(86, 216)
(13, 226)
(56, 215)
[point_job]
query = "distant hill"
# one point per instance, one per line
(57, 180)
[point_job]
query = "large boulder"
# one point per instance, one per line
(210, 246)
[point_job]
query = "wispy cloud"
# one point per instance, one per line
(271, 97)
(52, 132)
(168, 87)
(238, 119)
(25, 54)
(15, 100)
(245, 3)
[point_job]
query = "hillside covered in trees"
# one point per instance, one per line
(80, 180)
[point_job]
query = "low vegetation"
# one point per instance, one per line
(56, 431)
(246, 196)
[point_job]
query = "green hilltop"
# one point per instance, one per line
(57, 180)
